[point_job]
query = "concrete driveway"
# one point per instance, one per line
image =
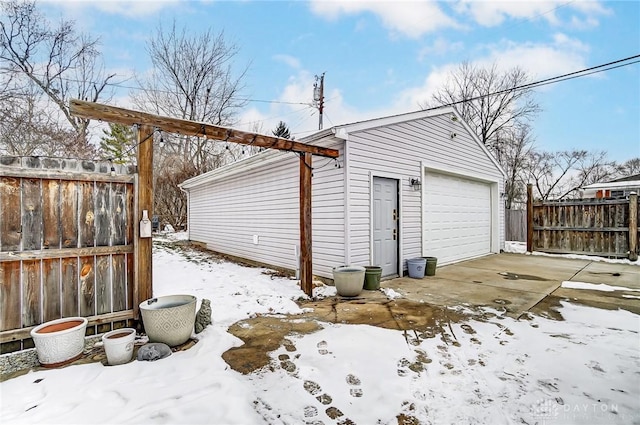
(521, 283)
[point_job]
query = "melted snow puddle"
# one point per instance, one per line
(596, 287)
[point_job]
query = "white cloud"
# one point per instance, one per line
(538, 59)
(288, 60)
(493, 13)
(128, 8)
(410, 18)
(440, 46)
(561, 56)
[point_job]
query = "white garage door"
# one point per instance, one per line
(457, 218)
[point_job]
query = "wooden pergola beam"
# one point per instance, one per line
(112, 114)
(148, 122)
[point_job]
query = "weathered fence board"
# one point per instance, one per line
(102, 213)
(51, 289)
(10, 227)
(10, 314)
(515, 225)
(87, 286)
(66, 246)
(600, 227)
(51, 213)
(103, 284)
(69, 284)
(31, 279)
(87, 214)
(119, 282)
(31, 214)
(69, 214)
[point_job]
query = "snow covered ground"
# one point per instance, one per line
(517, 247)
(491, 369)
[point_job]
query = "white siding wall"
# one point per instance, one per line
(400, 150)
(263, 199)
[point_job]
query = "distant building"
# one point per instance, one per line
(618, 188)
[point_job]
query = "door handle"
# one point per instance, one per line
(395, 214)
(395, 234)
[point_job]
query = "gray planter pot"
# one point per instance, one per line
(349, 280)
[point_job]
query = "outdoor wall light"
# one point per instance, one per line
(415, 183)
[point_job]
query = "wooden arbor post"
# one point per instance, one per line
(633, 226)
(529, 218)
(143, 288)
(306, 268)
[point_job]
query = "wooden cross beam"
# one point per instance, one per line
(112, 114)
(149, 122)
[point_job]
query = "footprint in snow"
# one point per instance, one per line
(312, 387)
(354, 381)
(322, 347)
(468, 329)
(310, 411)
(403, 367)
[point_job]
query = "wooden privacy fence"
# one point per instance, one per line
(602, 227)
(515, 225)
(66, 245)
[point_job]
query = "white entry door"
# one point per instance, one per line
(385, 225)
(457, 217)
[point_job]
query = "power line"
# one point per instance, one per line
(122, 86)
(564, 77)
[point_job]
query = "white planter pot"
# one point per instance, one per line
(349, 280)
(118, 344)
(169, 319)
(59, 341)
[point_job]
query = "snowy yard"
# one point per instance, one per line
(491, 369)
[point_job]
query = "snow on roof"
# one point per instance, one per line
(629, 184)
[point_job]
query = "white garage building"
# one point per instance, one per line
(405, 186)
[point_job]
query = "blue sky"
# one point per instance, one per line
(386, 57)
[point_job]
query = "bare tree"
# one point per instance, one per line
(61, 62)
(192, 78)
(488, 99)
(630, 167)
(26, 128)
(559, 175)
(514, 150)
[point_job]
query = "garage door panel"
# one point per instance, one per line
(457, 218)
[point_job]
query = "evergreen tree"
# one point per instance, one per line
(117, 143)
(282, 131)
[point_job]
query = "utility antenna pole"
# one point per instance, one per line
(318, 97)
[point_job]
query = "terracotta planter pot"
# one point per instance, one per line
(59, 342)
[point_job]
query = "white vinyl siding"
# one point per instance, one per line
(226, 211)
(260, 196)
(401, 150)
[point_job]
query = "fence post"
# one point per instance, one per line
(633, 226)
(529, 218)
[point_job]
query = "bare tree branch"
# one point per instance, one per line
(61, 62)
